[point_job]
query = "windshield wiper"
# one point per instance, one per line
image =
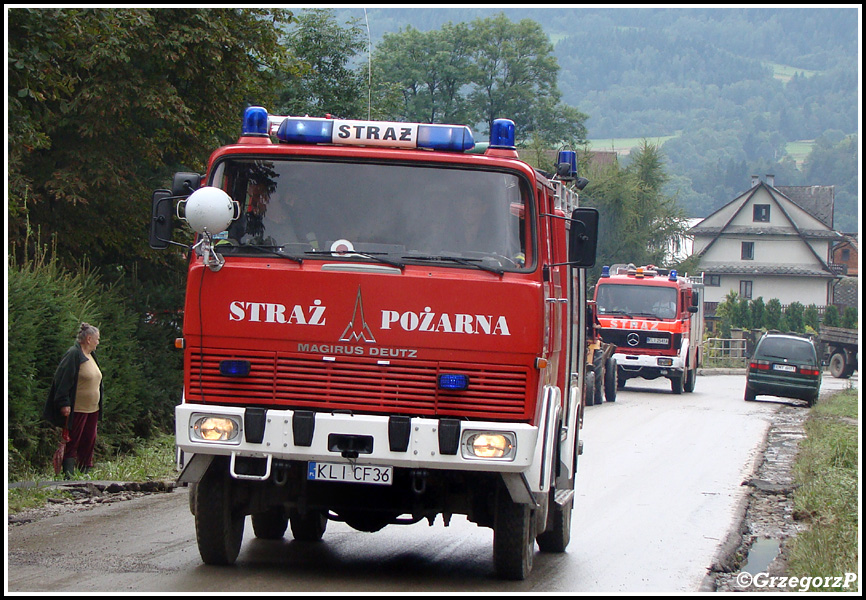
(269, 250)
(371, 255)
(469, 262)
(648, 315)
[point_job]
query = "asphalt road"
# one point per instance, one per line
(658, 490)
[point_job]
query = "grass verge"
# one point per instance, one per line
(151, 460)
(827, 498)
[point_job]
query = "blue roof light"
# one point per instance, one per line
(445, 137)
(568, 157)
(673, 275)
(605, 271)
(308, 130)
(255, 121)
(502, 134)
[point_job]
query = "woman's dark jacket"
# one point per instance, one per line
(64, 387)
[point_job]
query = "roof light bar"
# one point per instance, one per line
(310, 130)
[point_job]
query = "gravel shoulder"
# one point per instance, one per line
(760, 543)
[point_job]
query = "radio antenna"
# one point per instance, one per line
(369, 67)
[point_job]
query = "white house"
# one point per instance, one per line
(765, 244)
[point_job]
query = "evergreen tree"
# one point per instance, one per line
(794, 317)
(831, 316)
(773, 315)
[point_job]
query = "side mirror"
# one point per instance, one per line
(692, 309)
(695, 300)
(161, 220)
(583, 237)
(185, 184)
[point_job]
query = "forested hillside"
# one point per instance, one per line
(733, 86)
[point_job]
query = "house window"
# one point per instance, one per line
(747, 251)
(746, 289)
(846, 255)
(761, 213)
(713, 280)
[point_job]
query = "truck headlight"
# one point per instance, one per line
(212, 428)
(489, 444)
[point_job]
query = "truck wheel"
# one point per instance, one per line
(557, 537)
(620, 380)
(588, 388)
(513, 537)
(219, 526)
(598, 391)
(838, 366)
(610, 382)
(689, 383)
(271, 524)
(677, 384)
(309, 526)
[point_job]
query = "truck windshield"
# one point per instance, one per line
(637, 301)
(362, 211)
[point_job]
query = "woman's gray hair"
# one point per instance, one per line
(85, 330)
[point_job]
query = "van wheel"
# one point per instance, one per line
(219, 526)
(513, 537)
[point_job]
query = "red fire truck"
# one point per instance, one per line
(383, 323)
(655, 319)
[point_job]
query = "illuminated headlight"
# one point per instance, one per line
(666, 362)
(489, 444)
(210, 428)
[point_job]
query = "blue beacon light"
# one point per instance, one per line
(605, 271)
(673, 275)
(255, 121)
(502, 134)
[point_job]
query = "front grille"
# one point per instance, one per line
(638, 339)
(360, 385)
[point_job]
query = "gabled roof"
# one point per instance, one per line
(737, 205)
(818, 200)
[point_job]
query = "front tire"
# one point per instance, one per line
(219, 526)
(557, 537)
(610, 380)
(691, 377)
(513, 537)
(677, 384)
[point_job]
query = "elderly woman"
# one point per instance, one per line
(75, 400)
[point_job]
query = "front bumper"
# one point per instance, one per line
(650, 365)
(420, 443)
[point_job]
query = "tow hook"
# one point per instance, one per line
(419, 481)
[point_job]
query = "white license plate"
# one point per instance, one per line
(318, 471)
(788, 368)
(655, 340)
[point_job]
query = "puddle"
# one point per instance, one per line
(761, 554)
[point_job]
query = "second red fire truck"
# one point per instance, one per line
(383, 324)
(655, 319)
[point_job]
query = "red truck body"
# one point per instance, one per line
(654, 318)
(410, 344)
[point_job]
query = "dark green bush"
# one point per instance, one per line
(142, 372)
